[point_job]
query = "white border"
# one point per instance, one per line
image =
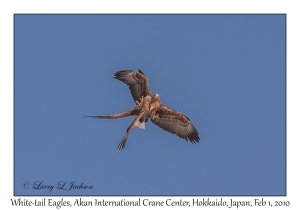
(8, 8)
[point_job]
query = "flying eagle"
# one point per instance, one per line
(149, 106)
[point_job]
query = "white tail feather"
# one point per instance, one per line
(140, 125)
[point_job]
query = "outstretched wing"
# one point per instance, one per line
(176, 123)
(130, 112)
(136, 81)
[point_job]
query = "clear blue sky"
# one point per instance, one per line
(225, 72)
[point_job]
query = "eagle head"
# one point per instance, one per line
(155, 98)
(155, 102)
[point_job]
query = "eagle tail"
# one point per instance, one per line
(140, 125)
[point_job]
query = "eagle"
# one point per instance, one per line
(148, 106)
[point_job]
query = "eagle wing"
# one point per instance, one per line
(176, 123)
(136, 81)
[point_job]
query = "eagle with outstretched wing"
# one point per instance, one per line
(150, 106)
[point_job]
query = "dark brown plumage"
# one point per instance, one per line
(176, 123)
(148, 106)
(136, 81)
